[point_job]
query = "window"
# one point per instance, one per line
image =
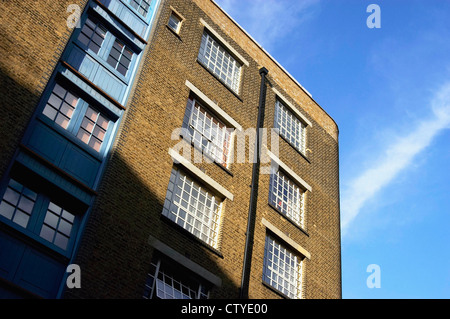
(220, 62)
(290, 127)
(92, 35)
(282, 268)
(208, 133)
(77, 117)
(37, 214)
(193, 207)
(93, 129)
(168, 281)
(174, 22)
(120, 57)
(18, 203)
(286, 196)
(60, 106)
(142, 6)
(57, 226)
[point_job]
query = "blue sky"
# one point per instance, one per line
(388, 89)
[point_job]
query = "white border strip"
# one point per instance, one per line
(288, 171)
(177, 158)
(285, 238)
(227, 118)
(292, 107)
(225, 43)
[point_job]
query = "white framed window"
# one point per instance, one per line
(167, 280)
(290, 127)
(282, 268)
(209, 133)
(193, 207)
(175, 21)
(287, 197)
(220, 62)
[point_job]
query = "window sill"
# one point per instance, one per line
(220, 80)
(288, 219)
(183, 231)
(174, 32)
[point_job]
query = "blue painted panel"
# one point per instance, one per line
(47, 143)
(39, 273)
(127, 15)
(96, 73)
(54, 177)
(109, 83)
(11, 252)
(81, 165)
(28, 268)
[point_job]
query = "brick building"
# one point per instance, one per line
(128, 150)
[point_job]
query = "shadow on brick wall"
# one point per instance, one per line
(115, 253)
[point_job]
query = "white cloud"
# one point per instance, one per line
(398, 155)
(269, 21)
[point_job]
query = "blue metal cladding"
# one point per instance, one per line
(65, 147)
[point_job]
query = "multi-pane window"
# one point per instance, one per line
(220, 62)
(286, 196)
(77, 117)
(93, 129)
(57, 226)
(290, 127)
(17, 204)
(60, 106)
(193, 207)
(92, 35)
(166, 282)
(141, 6)
(35, 213)
(282, 268)
(208, 133)
(120, 57)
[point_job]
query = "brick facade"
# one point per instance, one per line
(118, 241)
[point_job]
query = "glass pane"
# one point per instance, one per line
(68, 216)
(62, 120)
(99, 133)
(11, 196)
(55, 101)
(59, 91)
(87, 125)
(83, 135)
(6, 210)
(26, 205)
(47, 233)
(91, 114)
(21, 218)
(51, 219)
(102, 122)
(61, 241)
(65, 227)
(95, 144)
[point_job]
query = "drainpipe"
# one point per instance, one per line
(243, 292)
